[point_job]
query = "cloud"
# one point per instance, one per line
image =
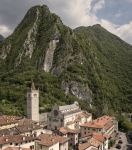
(98, 5)
(82, 13)
(12, 12)
(4, 30)
(73, 13)
(125, 31)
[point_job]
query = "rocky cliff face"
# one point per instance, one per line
(48, 62)
(91, 64)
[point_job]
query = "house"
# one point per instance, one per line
(25, 127)
(17, 141)
(16, 148)
(86, 146)
(97, 141)
(72, 134)
(82, 118)
(8, 121)
(51, 142)
(105, 124)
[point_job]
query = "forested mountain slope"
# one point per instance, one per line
(87, 64)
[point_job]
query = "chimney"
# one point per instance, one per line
(6, 140)
(23, 138)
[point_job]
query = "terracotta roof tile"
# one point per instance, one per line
(5, 120)
(95, 142)
(15, 139)
(50, 139)
(84, 146)
(16, 148)
(98, 123)
(66, 130)
(99, 136)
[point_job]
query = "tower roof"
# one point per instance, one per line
(33, 86)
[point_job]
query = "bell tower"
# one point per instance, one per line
(33, 103)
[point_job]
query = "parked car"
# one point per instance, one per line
(118, 146)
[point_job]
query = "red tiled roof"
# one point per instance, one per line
(49, 140)
(16, 148)
(15, 139)
(99, 136)
(5, 120)
(27, 128)
(98, 123)
(84, 146)
(95, 142)
(26, 121)
(66, 130)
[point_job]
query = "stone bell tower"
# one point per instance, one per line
(33, 103)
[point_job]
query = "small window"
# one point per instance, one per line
(35, 95)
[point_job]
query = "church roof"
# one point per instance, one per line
(68, 107)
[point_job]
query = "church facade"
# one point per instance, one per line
(65, 116)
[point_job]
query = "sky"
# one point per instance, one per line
(114, 15)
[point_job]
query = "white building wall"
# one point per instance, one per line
(106, 143)
(42, 147)
(22, 145)
(8, 126)
(70, 117)
(33, 105)
(64, 146)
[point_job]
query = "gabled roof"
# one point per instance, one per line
(99, 136)
(84, 146)
(15, 139)
(98, 123)
(65, 130)
(16, 148)
(69, 107)
(51, 139)
(5, 120)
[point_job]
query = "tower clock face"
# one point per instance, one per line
(55, 113)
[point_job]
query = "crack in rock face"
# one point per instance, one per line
(30, 42)
(19, 59)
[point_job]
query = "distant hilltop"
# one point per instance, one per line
(1, 38)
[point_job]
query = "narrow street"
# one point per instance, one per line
(123, 138)
(129, 141)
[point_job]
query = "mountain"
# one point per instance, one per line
(1, 38)
(87, 64)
